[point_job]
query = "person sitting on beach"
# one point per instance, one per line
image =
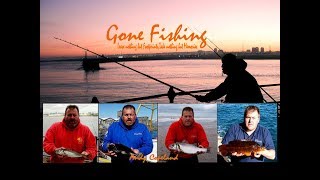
(70, 134)
(239, 87)
(188, 131)
(129, 133)
(250, 129)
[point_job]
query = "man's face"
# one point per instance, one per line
(225, 68)
(187, 118)
(252, 119)
(128, 116)
(71, 118)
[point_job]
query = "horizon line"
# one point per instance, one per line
(81, 56)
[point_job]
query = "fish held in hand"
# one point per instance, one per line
(248, 148)
(69, 153)
(120, 149)
(187, 148)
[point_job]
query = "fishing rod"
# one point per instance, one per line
(211, 41)
(208, 44)
(128, 68)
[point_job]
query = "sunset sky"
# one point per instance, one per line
(233, 25)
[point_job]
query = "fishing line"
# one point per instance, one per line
(127, 67)
(209, 45)
(211, 42)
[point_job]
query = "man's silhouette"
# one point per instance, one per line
(239, 87)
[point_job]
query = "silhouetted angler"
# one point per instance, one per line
(239, 87)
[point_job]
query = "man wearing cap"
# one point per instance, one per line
(239, 86)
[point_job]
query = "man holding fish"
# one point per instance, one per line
(127, 137)
(248, 141)
(70, 141)
(186, 138)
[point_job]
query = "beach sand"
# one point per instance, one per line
(211, 132)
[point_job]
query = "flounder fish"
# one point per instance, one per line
(187, 148)
(69, 153)
(248, 148)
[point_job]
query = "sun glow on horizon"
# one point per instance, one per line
(231, 25)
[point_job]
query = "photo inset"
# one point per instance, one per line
(128, 133)
(187, 133)
(70, 133)
(247, 132)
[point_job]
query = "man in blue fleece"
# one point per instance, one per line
(128, 132)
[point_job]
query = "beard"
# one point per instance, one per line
(71, 122)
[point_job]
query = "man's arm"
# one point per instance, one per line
(270, 154)
(91, 145)
(202, 138)
(48, 143)
(229, 136)
(147, 143)
(215, 94)
(170, 137)
(108, 138)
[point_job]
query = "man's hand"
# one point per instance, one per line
(200, 152)
(111, 154)
(201, 98)
(237, 154)
(136, 151)
(258, 154)
(61, 156)
(85, 154)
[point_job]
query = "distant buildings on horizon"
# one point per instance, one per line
(62, 114)
(255, 52)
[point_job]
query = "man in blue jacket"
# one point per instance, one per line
(128, 137)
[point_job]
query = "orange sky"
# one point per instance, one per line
(231, 25)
